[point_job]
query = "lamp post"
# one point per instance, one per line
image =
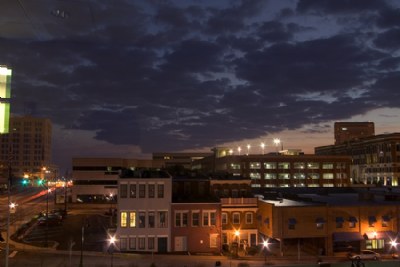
(393, 248)
(239, 149)
(277, 141)
(237, 234)
(262, 145)
(248, 149)
(112, 242)
(265, 248)
(82, 242)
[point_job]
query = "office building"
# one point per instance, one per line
(27, 148)
(284, 169)
(375, 159)
(95, 179)
(348, 131)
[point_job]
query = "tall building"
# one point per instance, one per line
(5, 94)
(347, 131)
(282, 169)
(27, 148)
(375, 159)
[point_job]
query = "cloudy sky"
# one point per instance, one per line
(128, 78)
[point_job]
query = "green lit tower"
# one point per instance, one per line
(5, 94)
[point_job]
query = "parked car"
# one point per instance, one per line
(366, 255)
(50, 221)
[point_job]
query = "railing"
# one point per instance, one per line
(239, 201)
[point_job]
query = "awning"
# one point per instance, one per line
(372, 219)
(320, 220)
(339, 220)
(353, 219)
(292, 221)
(347, 236)
(388, 235)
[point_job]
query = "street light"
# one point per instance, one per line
(277, 141)
(112, 242)
(239, 149)
(262, 147)
(248, 149)
(393, 247)
(265, 248)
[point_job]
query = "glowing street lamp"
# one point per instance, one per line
(262, 147)
(239, 149)
(112, 242)
(277, 141)
(265, 248)
(230, 151)
(248, 149)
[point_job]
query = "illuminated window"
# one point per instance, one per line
(327, 166)
(313, 165)
(132, 219)
(284, 176)
(283, 165)
(213, 240)
(269, 176)
(124, 218)
(327, 176)
(269, 165)
(255, 175)
(299, 165)
(255, 165)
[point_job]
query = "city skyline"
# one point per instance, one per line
(131, 78)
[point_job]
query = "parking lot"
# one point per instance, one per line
(67, 234)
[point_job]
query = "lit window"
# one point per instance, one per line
(124, 218)
(132, 219)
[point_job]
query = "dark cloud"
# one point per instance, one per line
(388, 17)
(389, 39)
(338, 6)
(171, 75)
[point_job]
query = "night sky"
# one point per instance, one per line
(128, 78)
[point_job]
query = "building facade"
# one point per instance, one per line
(284, 170)
(331, 223)
(27, 148)
(348, 131)
(95, 179)
(375, 159)
(144, 211)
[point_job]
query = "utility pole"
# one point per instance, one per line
(8, 213)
